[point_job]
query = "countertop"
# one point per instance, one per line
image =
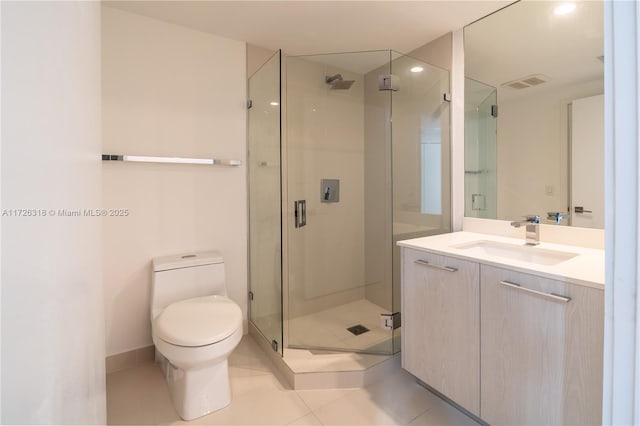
(587, 268)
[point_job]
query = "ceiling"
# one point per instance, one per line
(312, 27)
(528, 38)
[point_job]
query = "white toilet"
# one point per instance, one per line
(195, 327)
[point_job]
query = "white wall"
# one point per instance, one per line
(437, 52)
(457, 129)
(169, 90)
(622, 196)
(532, 150)
(52, 311)
(256, 58)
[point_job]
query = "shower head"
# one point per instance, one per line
(338, 83)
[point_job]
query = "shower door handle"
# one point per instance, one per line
(300, 213)
(303, 208)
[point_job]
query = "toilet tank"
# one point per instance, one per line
(185, 276)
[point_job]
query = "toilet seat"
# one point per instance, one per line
(199, 321)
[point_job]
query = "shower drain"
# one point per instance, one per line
(358, 329)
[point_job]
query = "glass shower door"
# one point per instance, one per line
(338, 147)
(480, 149)
(265, 245)
(356, 185)
(421, 183)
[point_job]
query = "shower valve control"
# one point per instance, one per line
(329, 190)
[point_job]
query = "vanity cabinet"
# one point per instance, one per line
(440, 308)
(513, 348)
(541, 351)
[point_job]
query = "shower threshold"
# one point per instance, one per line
(320, 369)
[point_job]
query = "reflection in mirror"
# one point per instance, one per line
(480, 110)
(534, 134)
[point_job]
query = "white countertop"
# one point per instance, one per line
(587, 268)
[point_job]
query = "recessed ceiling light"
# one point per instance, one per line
(274, 103)
(564, 8)
(417, 69)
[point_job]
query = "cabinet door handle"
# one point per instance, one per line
(553, 296)
(431, 265)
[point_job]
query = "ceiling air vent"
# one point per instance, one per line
(528, 81)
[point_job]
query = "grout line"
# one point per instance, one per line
(301, 417)
(419, 415)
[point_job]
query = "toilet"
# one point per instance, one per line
(195, 327)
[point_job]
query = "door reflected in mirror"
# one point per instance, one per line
(534, 114)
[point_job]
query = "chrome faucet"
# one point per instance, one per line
(532, 223)
(557, 216)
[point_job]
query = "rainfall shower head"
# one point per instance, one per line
(338, 83)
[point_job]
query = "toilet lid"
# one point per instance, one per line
(199, 321)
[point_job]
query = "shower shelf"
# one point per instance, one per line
(476, 172)
(174, 160)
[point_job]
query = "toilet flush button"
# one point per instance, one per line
(185, 260)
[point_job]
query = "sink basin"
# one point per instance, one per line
(523, 253)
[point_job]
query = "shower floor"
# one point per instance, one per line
(328, 329)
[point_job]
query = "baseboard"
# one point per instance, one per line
(129, 359)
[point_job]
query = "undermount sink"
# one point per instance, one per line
(523, 253)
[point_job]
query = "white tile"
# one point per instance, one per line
(241, 385)
(356, 409)
(397, 399)
(318, 398)
(246, 372)
(258, 408)
(139, 395)
(330, 380)
(399, 393)
(443, 414)
(249, 356)
(308, 420)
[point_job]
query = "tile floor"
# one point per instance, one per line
(139, 396)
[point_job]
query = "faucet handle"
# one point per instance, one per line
(557, 216)
(533, 218)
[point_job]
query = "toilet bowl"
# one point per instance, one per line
(194, 336)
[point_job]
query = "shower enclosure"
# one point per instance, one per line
(480, 149)
(361, 163)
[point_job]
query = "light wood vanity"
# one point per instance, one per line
(512, 342)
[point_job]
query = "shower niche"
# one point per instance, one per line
(362, 139)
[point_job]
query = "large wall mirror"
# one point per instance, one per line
(534, 113)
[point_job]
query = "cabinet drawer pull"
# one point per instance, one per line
(430, 265)
(553, 296)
